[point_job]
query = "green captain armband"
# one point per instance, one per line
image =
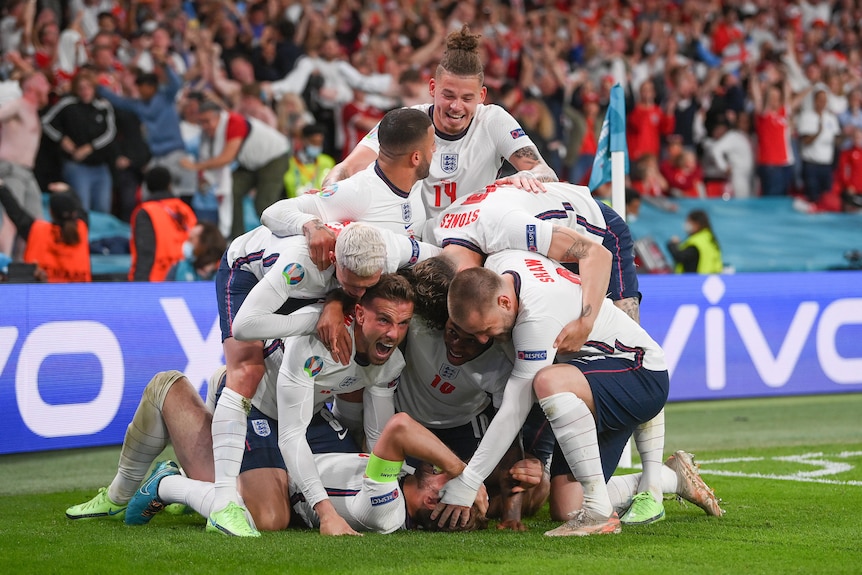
(382, 470)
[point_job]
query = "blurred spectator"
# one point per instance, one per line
(851, 119)
(728, 163)
(59, 247)
(326, 82)
(358, 118)
(685, 178)
(20, 133)
(293, 115)
(160, 225)
(202, 253)
(127, 172)
(647, 178)
(308, 164)
(818, 133)
(84, 127)
(699, 252)
(262, 155)
(251, 105)
(536, 119)
(848, 176)
(155, 106)
(584, 132)
(647, 123)
(773, 127)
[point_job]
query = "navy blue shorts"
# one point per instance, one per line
(618, 240)
(625, 395)
(232, 287)
(464, 439)
(324, 434)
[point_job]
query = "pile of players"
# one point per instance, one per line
(468, 347)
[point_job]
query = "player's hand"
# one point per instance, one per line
(482, 503)
(321, 243)
(525, 180)
(574, 335)
(333, 333)
(528, 473)
(511, 525)
(453, 515)
(337, 526)
(187, 164)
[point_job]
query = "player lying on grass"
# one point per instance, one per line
(371, 491)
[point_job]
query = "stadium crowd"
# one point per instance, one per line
(725, 99)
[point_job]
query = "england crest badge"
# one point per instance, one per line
(449, 162)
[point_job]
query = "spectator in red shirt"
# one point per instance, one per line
(848, 175)
(773, 128)
(647, 123)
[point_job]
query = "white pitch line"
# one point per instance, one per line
(799, 478)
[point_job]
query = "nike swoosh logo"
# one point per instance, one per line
(117, 512)
(342, 434)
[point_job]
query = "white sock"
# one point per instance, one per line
(649, 439)
(621, 488)
(228, 431)
(199, 495)
(575, 430)
(146, 437)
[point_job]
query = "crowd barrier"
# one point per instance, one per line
(74, 359)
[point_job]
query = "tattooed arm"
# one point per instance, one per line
(532, 170)
(632, 307)
(594, 261)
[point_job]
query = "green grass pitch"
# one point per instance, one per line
(788, 469)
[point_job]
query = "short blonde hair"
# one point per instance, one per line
(360, 249)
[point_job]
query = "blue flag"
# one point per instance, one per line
(611, 139)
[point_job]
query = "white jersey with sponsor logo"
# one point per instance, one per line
(365, 504)
(505, 217)
(465, 163)
(440, 395)
(367, 196)
(549, 297)
(307, 378)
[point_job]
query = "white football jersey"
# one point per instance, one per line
(259, 250)
(367, 196)
(440, 395)
(468, 162)
(307, 378)
(365, 504)
(505, 217)
(549, 297)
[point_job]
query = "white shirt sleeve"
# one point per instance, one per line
(256, 318)
(378, 406)
(286, 217)
(295, 409)
(517, 400)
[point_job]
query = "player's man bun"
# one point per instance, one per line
(461, 57)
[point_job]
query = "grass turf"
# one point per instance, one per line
(785, 513)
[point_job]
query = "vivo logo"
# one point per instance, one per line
(774, 359)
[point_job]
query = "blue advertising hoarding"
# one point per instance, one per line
(74, 359)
